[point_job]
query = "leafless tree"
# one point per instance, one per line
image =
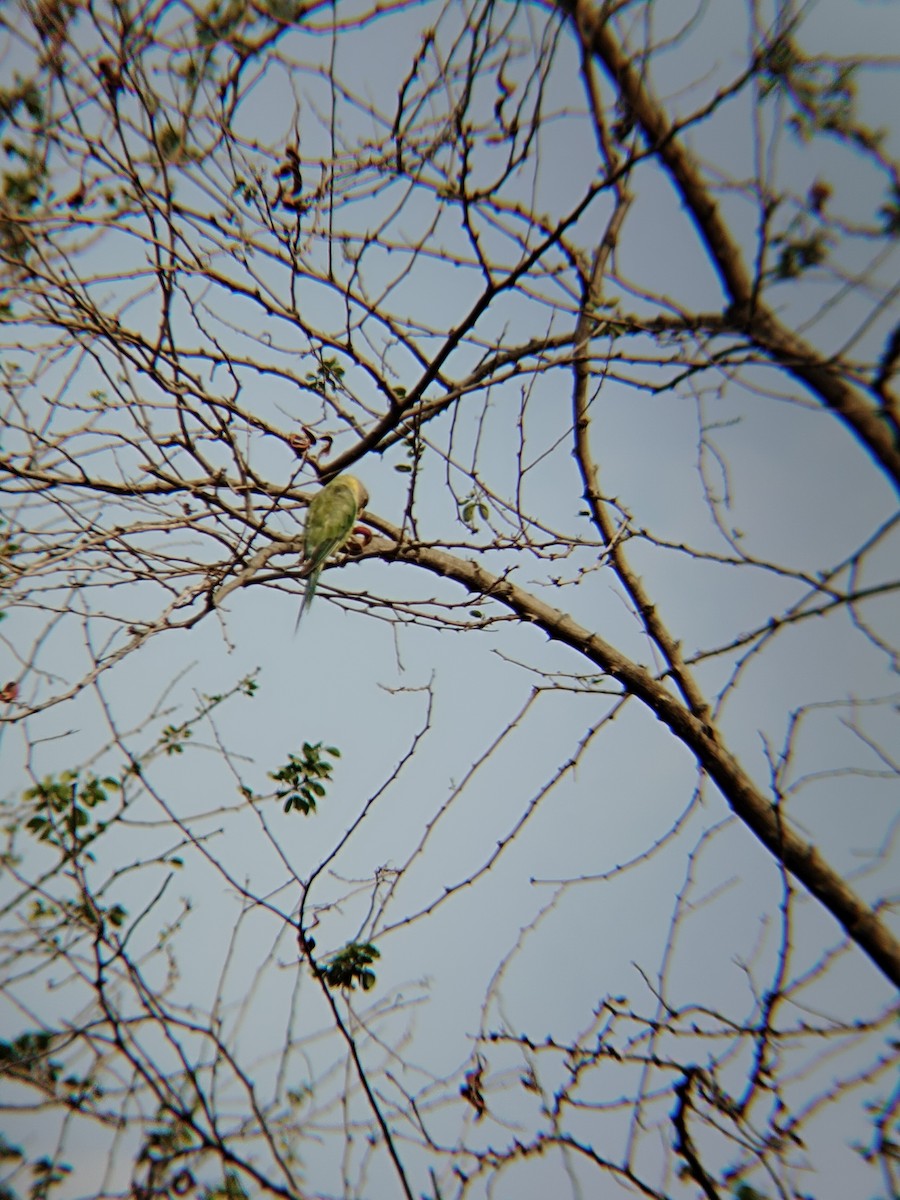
(600, 300)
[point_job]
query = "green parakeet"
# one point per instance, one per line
(329, 523)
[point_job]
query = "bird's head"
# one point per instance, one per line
(359, 490)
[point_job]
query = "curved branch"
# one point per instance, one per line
(861, 924)
(781, 344)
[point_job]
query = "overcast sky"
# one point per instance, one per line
(553, 928)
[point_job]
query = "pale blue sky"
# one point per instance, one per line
(804, 495)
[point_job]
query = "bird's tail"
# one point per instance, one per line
(311, 580)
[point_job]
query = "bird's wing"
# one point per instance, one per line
(330, 520)
(318, 554)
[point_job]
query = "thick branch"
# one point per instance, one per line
(861, 924)
(779, 343)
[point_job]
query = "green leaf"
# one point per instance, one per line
(117, 916)
(351, 966)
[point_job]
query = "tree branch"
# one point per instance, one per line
(861, 924)
(820, 376)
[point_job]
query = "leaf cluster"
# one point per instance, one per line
(305, 777)
(822, 94)
(351, 966)
(63, 806)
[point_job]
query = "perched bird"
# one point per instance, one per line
(329, 523)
